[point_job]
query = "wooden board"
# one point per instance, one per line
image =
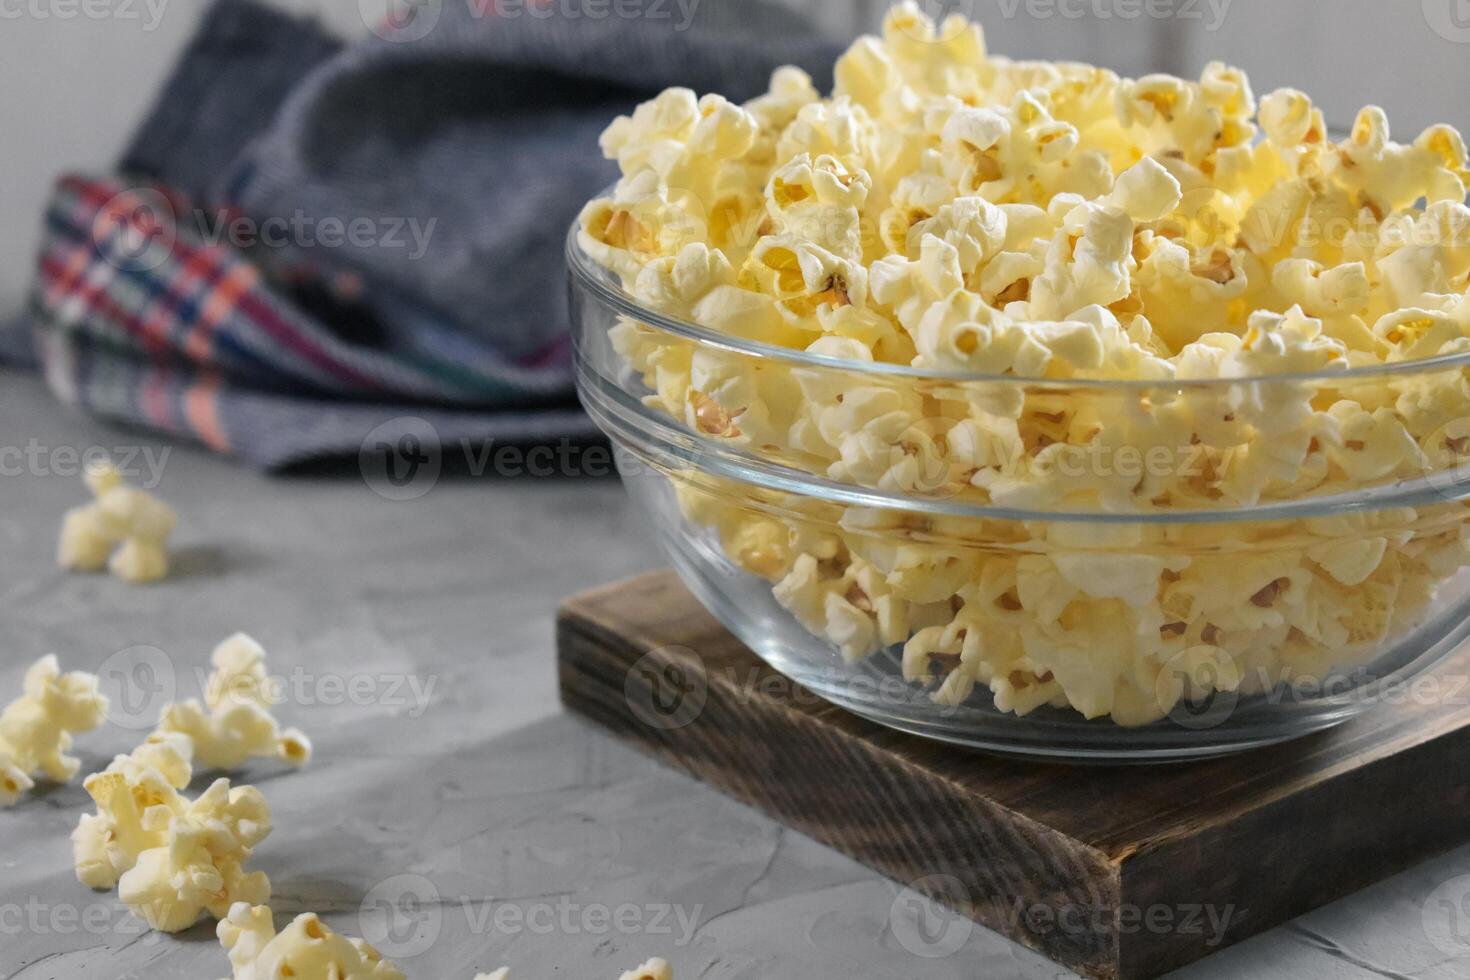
(1120, 873)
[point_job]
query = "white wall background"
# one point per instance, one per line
(73, 88)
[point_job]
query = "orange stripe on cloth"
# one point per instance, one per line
(201, 408)
(223, 297)
(78, 259)
(155, 401)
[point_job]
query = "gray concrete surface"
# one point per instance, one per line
(450, 797)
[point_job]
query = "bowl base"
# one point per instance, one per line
(876, 691)
(1051, 855)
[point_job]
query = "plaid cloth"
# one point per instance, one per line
(477, 142)
(148, 321)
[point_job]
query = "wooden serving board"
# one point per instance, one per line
(1120, 873)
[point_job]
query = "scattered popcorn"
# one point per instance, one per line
(652, 970)
(237, 724)
(305, 950)
(125, 529)
(956, 212)
(140, 561)
(36, 729)
(14, 781)
(136, 797)
(172, 859)
(200, 866)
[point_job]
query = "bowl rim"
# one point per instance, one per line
(602, 282)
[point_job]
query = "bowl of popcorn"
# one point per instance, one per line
(1036, 409)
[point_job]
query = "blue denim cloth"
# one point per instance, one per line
(487, 126)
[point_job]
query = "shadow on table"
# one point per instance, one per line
(560, 460)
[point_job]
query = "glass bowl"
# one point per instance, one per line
(1091, 571)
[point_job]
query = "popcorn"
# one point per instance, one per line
(1091, 268)
(1426, 257)
(791, 89)
(1292, 343)
(1188, 294)
(306, 949)
(1291, 121)
(654, 969)
(840, 129)
(971, 216)
(238, 724)
(1350, 562)
(125, 524)
(1369, 446)
(14, 781)
(86, 541)
(1321, 292)
(36, 729)
(1165, 114)
(1388, 177)
(820, 202)
(171, 859)
(137, 796)
(139, 561)
(643, 220)
(971, 139)
(1194, 673)
(973, 227)
(804, 278)
(683, 139)
(199, 867)
(1145, 192)
(910, 288)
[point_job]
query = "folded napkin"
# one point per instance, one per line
(311, 239)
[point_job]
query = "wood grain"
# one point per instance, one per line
(1118, 873)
